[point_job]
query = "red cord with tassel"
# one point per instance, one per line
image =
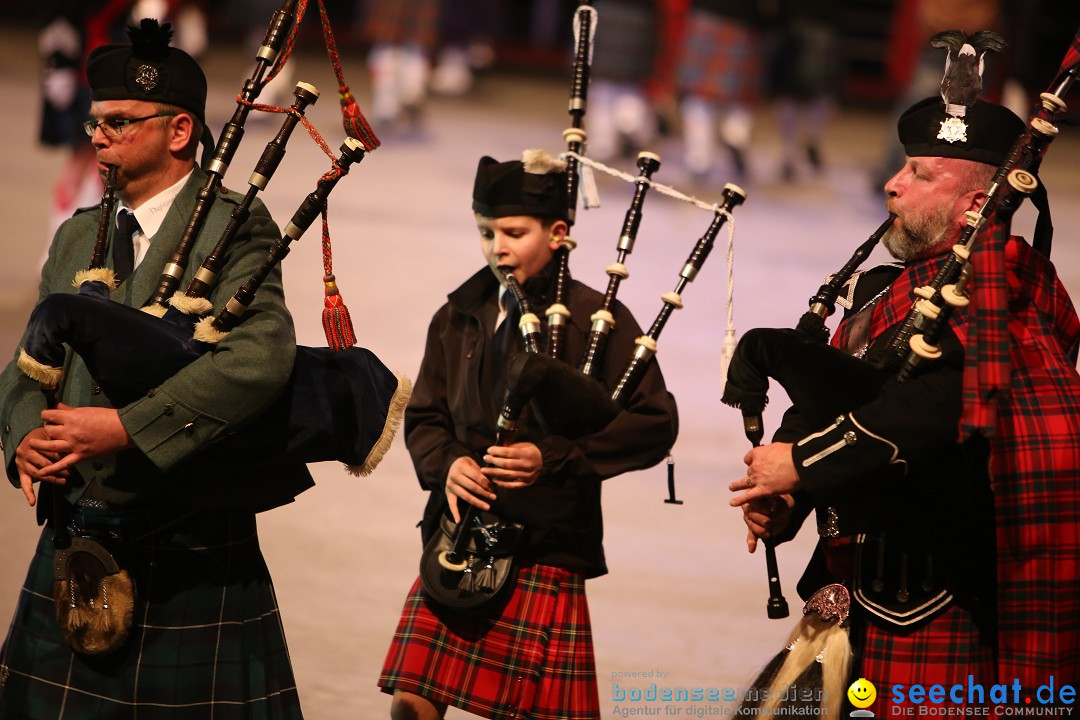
(337, 323)
(356, 125)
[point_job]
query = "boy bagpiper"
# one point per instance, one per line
(531, 655)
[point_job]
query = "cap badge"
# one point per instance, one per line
(147, 77)
(953, 130)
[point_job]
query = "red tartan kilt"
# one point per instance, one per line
(944, 652)
(534, 660)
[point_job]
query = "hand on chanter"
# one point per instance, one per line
(766, 517)
(465, 480)
(516, 465)
(31, 457)
(770, 471)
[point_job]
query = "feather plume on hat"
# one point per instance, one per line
(964, 65)
(956, 123)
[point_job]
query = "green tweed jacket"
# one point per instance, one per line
(214, 395)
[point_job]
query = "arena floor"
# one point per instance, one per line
(684, 604)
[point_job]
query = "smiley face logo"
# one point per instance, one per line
(862, 693)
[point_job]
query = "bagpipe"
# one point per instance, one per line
(824, 382)
(341, 403)
(467, 565)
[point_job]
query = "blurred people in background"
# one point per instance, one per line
(805, 66)
(69, 30)
(1039, 33)
(250, 18)
(916, 66)
(468, 29)
(402, 35)
(719, 81)
(621, 121)
(187, 17)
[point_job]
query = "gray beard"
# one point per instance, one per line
(917, 239)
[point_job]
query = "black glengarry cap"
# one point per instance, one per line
(148, 69)
(534, 185)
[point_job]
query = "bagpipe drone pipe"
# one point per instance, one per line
(824, 382)
(341, 403)
(602, 321)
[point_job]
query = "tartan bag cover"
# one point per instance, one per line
(535, 660)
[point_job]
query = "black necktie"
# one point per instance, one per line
(507, 331)
(123, 247)
(506, 334)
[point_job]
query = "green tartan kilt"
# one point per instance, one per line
(207, 641)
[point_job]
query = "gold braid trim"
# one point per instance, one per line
(44, 374)
(205, 331)
(101, 275)
(394, 413)
(191, 306)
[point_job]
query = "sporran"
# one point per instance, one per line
(94, 596)
(488, 558)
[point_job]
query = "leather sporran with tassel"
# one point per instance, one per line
(486, 564)
(94, 596)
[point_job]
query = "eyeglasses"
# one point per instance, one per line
(113, 129)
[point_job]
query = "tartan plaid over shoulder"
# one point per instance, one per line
(892, 307)
(1023, 391)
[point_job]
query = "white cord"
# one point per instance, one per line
(660, 188)
(729, 331)
(592, 29)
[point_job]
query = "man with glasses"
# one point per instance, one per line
(207, 638)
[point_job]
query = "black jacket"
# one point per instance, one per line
(452, 413)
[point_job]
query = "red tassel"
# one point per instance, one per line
(337, 323)
(356, 125)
